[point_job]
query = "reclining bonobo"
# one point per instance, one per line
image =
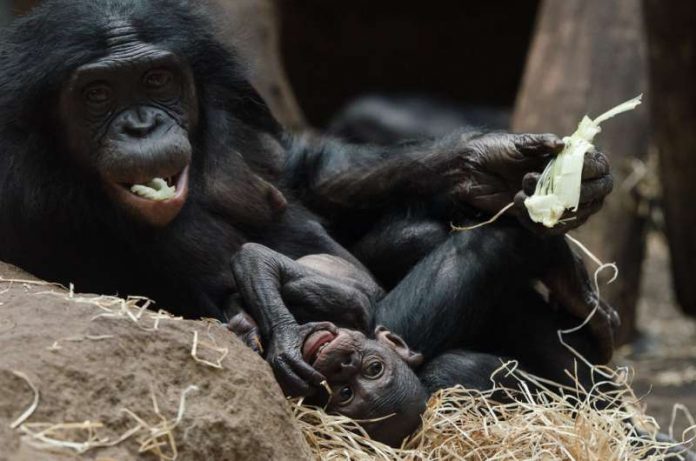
(322, 318)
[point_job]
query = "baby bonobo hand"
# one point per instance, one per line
(295, 376)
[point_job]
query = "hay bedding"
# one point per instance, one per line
(458, 423)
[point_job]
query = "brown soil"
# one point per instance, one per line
(100, 366)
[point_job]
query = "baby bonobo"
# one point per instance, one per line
(370, 377)
(323, 319)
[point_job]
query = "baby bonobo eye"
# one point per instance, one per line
(373, 370)
(344, 396)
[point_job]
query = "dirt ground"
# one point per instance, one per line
(97, 364)
(664, 359)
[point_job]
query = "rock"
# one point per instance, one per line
(91, 369)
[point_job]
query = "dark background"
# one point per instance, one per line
(468, 52)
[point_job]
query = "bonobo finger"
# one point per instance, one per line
(595, 165)
(309, 328)
(586, 210)
(538, 144)
(253, 340)
(566, 224)
(303, 370)
(290, 382)
(596, 189)
(241, 324)
(529, 183)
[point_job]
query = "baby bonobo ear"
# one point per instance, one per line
(386, 337)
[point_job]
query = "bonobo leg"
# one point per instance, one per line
(525, 329)
(398, 242)
(529, 333)
(470, 369)
(449, 297)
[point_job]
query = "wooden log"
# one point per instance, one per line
(252, 28)
(22, 6)
(586, 57)
(671, 31)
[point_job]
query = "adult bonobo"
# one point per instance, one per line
(136, 158)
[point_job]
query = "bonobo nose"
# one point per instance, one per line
(346, 365)
(141, 122)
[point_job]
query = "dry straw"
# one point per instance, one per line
(541, 425)
(458, 423)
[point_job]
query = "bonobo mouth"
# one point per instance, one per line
(315, 344)
(154, 200)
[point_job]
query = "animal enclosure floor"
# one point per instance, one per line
(664, 359)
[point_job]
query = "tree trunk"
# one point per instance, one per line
(252, 28)
(586, 57)
(22, 6)
(671, 30)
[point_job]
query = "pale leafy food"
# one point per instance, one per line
(558, 188)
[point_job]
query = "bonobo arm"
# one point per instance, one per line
(333, 174)
(486, 171)
(278, 292)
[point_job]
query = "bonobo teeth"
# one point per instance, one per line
(321, 348)
(156, 189)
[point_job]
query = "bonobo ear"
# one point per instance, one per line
(386, 337)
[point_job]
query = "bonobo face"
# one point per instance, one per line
(370, 378)
(128, 117)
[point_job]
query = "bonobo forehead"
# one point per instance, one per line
(126, 49)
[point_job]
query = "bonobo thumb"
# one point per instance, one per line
(538, 144)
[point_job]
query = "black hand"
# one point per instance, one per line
(295, 376)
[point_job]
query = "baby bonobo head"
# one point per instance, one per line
(370, 379)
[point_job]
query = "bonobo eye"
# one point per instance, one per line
(97, 93)
(373, 370)
(344, 396)
(157, 78)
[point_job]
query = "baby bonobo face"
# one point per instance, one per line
(370, 378)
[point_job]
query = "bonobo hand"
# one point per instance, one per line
(571, 290)
(247, 330)
(295, 376)
(505, 168)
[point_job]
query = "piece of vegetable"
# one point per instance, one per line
(156, 189)
(558, 188)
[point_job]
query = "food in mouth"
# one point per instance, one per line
(315, 344)
(157, 189)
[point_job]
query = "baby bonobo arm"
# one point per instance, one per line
(277, 292)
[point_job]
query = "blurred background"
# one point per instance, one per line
(380, 70)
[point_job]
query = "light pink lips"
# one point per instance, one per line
(158, 213)
(315, 343)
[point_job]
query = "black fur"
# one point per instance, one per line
(55, 219)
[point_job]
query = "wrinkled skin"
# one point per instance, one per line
(503, 162)
(368, 378)
(314, 294)
(127, 117)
